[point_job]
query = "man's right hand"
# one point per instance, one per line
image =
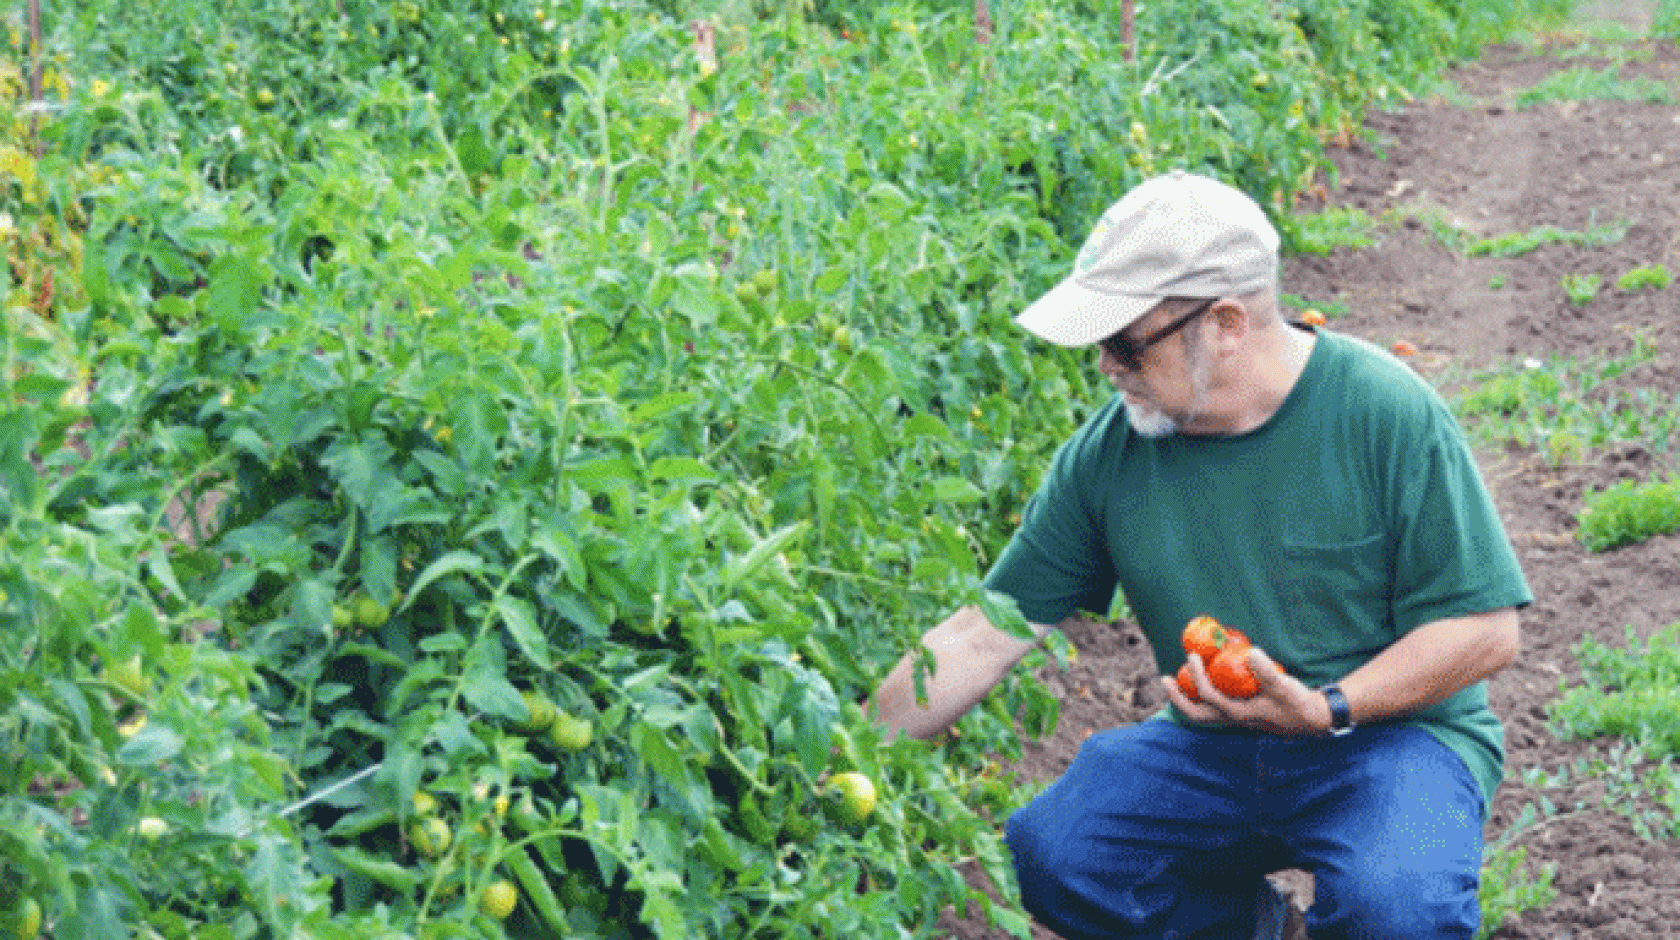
(970, 654)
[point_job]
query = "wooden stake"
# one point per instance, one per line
(35, 72)
(1128, 30)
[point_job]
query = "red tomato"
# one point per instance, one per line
(1187, 683)
(1230, 674)
(1205, 637)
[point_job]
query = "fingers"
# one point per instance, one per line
(1266, 672)
(1208, 708)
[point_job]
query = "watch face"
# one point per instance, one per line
(1341, 717)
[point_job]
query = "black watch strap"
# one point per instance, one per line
(1341, 716)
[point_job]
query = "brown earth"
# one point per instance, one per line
(1475, 159)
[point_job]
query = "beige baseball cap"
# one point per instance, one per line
(1178, 235)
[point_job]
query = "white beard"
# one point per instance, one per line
(1148, 421)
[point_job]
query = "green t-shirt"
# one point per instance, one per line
(1353, 515)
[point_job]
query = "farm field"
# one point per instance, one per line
(1549, 389)
(464, 465)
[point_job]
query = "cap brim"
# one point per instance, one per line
(1071, 315)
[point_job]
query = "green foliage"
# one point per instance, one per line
(402, 360)
(1509, 393)
(1322, 232)
(1581, 288)
(1587, 84)
(1330, 308)
(1507, 888)
(1513, 244)
(1654, 276)
(1629, 512)
(1569, 407)
(1631, 692)
(1665, 21)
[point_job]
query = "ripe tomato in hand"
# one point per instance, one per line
(1187, 683)
(1230, 674)
(1205, 637)
(1224, 655)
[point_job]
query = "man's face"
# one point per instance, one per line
(1170, 381)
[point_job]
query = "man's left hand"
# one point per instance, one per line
(1284, 705)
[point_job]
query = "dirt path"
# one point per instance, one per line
(1475, 161)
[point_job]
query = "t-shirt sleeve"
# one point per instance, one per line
(1453, 557)
(1057, 562)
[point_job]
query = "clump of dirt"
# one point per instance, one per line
(1481, 166)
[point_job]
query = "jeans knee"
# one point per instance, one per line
(1041, 864)
(1029, 848)
(1388, 906)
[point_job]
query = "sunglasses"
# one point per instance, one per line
(1129, 352)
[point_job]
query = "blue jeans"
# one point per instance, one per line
(1158, 830)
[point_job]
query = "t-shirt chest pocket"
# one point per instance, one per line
(1338, 592)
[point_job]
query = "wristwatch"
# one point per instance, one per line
(1341, 716)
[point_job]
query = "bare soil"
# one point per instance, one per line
(1476, 159)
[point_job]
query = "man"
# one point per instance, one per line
(1308, 489)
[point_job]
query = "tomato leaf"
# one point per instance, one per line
(484, 681)
(390, 874)
(520, 619)
(459, 561)
(152, 744)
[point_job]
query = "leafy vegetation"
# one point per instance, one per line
(1581, 288)
(1461, 241)
(1320, 233)
(1665, 22)
(1629, 512)
(1631, 692)
(375, 377)
(1567, 406)
(1652, 277)
(1506, 888)
(1513, 244)
(1587, 84)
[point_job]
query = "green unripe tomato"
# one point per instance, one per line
(431, 836)
(128, 674)
(26, 919)
(498, 899)
(541, 709)
(857, 795)
(570, 733)
(369, 612)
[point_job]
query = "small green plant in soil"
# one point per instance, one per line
(1665, 22)
(1581, 288)
(1508, 889)
(1568, 406)
(1631, 512)
(1585, 84)
(1508, 393)
(1320, 233)
(1330, 308)
(1654, 276)
(1514, 244)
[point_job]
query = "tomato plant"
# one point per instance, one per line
(451, 446)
